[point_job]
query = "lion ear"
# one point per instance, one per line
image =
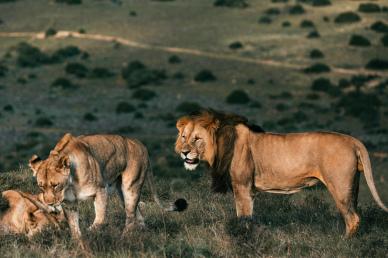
(61, 144)
(182, 122)
(33, 163)
(13, 197)
(64, 162)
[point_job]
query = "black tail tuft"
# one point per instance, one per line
(180, 205)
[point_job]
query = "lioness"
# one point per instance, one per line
(26, 214)
(83, 167)
(250, 159)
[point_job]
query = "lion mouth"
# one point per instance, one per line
(192, 161)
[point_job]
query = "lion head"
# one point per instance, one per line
(209, 136)
(53, 174)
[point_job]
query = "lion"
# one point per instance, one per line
(26, 214)
(84, 167)
(243, 157)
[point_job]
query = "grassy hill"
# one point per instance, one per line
(133, 67)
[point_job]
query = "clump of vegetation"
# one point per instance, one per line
(313, 34)
(188, 107)
(64, 83)
(281, 107)
(231, 3)
(82, 31)
(347, 17)
(124, 107)
(7, 1)
(359, 41)
(320, 2)
(286, 24)
(63, 53)
(296, 9)
(377, 64)
(101, 72)
(238, 97)
(137, 74)
(178, 76)
(77, 69)
(50, 32)
(369, 8)
(126, 129)
(30, 56)
(205, 75)
(133, 13)
(8, 108)
(236, 45)
(143, 94)
(70, 2)
(174, 59)
(282, 95)
(384, 40)
(44, 122)
(316, 53)
(3, 70)
(90, 117)
(317, 68)
(307, 24)
(265, 20)
(272, 11)
(325, 85)
(380, 27)
(344, 83)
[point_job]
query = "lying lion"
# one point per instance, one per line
(248, 159)
(26, 214)
(84, 167)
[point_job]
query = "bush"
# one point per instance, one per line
(316, 53)
(137, 74)
(359, 41)
(286, 24)
(77, 69)
(380, 27)
(174, 59)
(231, 3)
(317, 68)
(369, 8)
(347, 17)
(272, 11)
(70, 2)
(90, 117)
(101, 72)
(50, 32)
(144, 94)
(64, 84)
(8, 108)
(307, 24)
(30, 56)
(205, 76)
(188, 107)
(236, 45)
(320, 2)
(313, 96)
(64, 53)
(3, 70)
(281, 107)
(344, 83)
(124, 107)
(313, 34)
(265, 20)
(237, 97)
(377, 64)
(44, 122)
(296, 10)
(384, 40)
(325, 85)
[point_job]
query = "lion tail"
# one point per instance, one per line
(179, 204)
(363, 156)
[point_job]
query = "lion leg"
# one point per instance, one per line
(100, 203)
(243, 199)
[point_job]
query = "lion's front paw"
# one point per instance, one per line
(95, 226)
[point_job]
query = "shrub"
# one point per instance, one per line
(320, 2)
(90, 117)
(236, 45)
(22, 80)
(265, 20)
(178, 76)
(384, 40)
(44, 122)
(124, 107)
(8, 108)
(30, 56)
(281, 107)
(101, 72)
(317, 68)
(174, 59)
(255, 104)
(3, 70)
(272, 11)
(70, 2)
(82, 31)
(7, 1)
(296, 10)
(237, 97)
(344, 83)
(205, 76)
(144, 94)
(188, 107)
(231, 3)
(377, 64)
(359, 41)
(77, 69)
(137, 74)
(50, 32)
(316, 53)
(307, 24)
(64, 84)
(313, 34)
(64, 53)
(132, 13)
(369, 8)
(347, 17)
(138, 115)
(286, 24)
(380, 27)
(325, 85)
(313, 96)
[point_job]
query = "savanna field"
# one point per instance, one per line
(133, 67)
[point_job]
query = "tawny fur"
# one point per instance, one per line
(248, 159)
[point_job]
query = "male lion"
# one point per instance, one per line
(26, 214)
(248, 158)
(83, 167)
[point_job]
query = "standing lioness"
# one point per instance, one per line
(249, 159)
(84, 167)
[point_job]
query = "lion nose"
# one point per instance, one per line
(185, 152)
